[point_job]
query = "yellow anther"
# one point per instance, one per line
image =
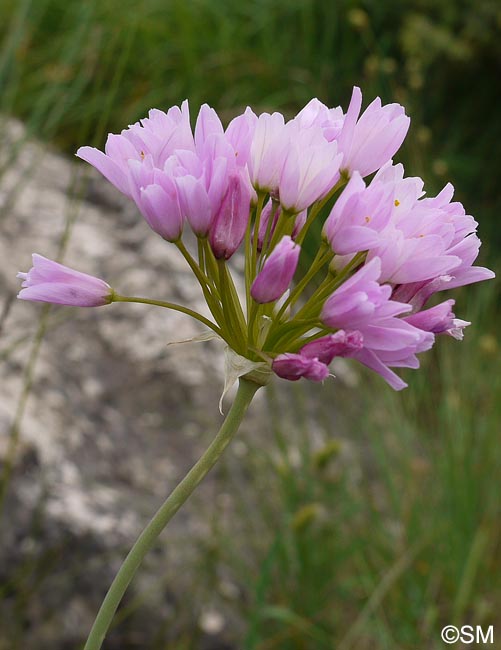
(397, 203)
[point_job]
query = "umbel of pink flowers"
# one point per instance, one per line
(258, 185)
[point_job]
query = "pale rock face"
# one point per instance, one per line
(115, 416)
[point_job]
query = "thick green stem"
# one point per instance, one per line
(148, 537)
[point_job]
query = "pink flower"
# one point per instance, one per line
(360, 299)
(49, 281)
(155, 194)
(240, 133)
(268, 151)
(407, 246)
(230, 223)
(430, 243)
(202, 184)
(159, 136)
(369, 141)
(294, 366)
(382, 361)
(412, 259)
(278, 270)
(363, 304)
(194, 203)
(330, 120)
(340, 344)
(310, 169)
(359, 216)
(208, 124)
(439, 320)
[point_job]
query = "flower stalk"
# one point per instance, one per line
(169, 305)
(145, 542)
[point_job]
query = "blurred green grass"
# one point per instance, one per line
(59, 60)
(389, 530)
(375, 536)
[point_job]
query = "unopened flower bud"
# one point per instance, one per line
(340, 344)
(49, 281)
(294, 366)
(439, 320)
(230, 223)
(278, 270)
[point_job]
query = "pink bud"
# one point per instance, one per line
(294, 366)
(239, 133)
(340, 344)
(49, 281)
(278, 270)
(264, 222)
(160, 207)
(156, 196)
(439, 320)
(194, 203)
(230, 223)
(268, 151)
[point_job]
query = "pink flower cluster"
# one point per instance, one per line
(263, 180)
(209, 178)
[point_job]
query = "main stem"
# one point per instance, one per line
(180, 494)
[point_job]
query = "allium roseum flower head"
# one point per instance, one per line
(257, 187)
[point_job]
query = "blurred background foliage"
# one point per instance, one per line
(383, 557)
(77, 70)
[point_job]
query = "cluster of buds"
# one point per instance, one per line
(258, 186)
